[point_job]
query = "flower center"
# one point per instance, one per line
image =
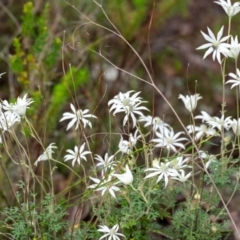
(112, 232)
(164, 168)
(126, 101)
(79, 114)
(169, 140)
(157, 121)
(216, 44)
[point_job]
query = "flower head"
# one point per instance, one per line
(190, 102)
(130, 105)
(8, 119)
(235, 79)
(163, 170)
(169, 140)
(215, 45)
(105, 185)
(235, 124)
(77, 154)
(77, 117)
(205, 117)
(112, 233)
(201, 131)
(126, 178)
(182, 177)
(47, 154)
(209, 158)
(218, 123)
(19, 107)
(133, 138)
(234, 48)
(156, 123)
(105, 163)
(230, 9)
(179, 163)
(124, 146)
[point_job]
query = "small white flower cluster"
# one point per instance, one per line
(166, 138)
(230, 9)
(130, 105)
(107, 183)
(78, 117)
(215, 124)
(12, 113)
(217, 45)
(173, 169)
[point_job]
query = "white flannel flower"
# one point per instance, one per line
(76, 155)
(235, 79)
(105, 185)
(218, 123)
(190, 102)
(123, 102)
(234, 48)
(202, 130)
(169, 140)
(105, 163)
(77, 117)
(47, 154)
(230, 9)
(134, 138)
(215, 45)
(124, 146)
(8, 119)
(112, 233)
(182, 177)
(179, 163)
(205, 117)
(19, 107)
(235, 124)
(155, 122)
(163, 170)
(123, 99)
(126, 178)
(208, 157)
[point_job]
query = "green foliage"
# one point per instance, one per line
(36, 50)
(131, 211)
(81, 231)
(42, 31)
(62, 91)
(28, 22)
(170, 7)
(189, 223)
(140, 3)
(43, 221)
(221, 177)
(53, 54)
(126, 14)
(16, 62)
